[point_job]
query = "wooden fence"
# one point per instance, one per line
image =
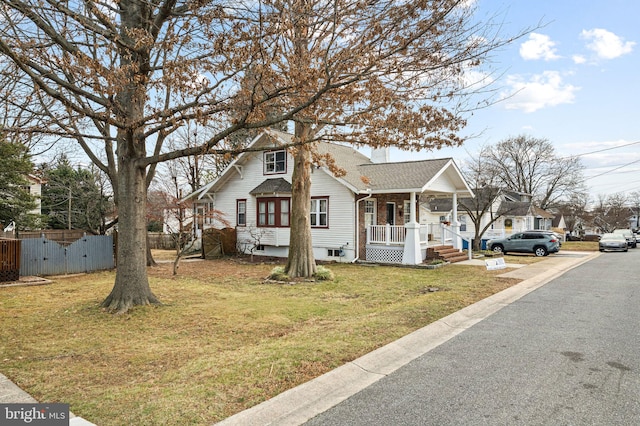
(160, 241)
(10, 260)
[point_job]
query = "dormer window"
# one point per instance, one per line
(275, 162)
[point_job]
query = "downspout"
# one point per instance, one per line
(358, 226)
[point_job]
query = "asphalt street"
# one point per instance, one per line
(567, 353)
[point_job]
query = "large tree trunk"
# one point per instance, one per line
(132, 284)
(131, 287)
(301, 262)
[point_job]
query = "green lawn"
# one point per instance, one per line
(223, 340)
(580, 246)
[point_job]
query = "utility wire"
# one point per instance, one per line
(604, 149)
(613, 170)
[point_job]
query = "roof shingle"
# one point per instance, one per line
(272, 186)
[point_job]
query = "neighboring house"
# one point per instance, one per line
(634, 220)
(516, 213)
(522, 216)
(369, 213)
(558, 222)
(35, 189)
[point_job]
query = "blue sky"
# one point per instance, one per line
(575, 81)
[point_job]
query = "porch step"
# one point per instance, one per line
(446, 253)
(459, 258)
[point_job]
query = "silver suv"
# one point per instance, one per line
(538, 243)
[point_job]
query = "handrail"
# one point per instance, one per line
(452, 232)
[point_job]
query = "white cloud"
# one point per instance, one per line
(539, 46)
(467, 4)
(542, 90)
(606, 44)
(579, 59)
(475, 79)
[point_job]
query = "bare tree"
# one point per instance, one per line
(120, 77)
(252, 242)
(531, 165)
(634, 201)
(574, 212)
(611, 212)
(486, 207)
(175, 209)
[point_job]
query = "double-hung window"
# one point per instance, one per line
(275, 162)
(284, 212)
(320, 212)
(369, 212)
(407, 212)
(273, 212)
(241, 212)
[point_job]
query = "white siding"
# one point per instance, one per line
(35, 189)
(341, 231)
(339, 234)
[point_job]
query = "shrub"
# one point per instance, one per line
(277, 274)
(322, 274)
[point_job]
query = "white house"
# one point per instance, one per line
(515, 211)
(369, 213)
(35, 189)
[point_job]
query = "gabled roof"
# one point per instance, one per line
(515, 208)
(516, 195)
(523, 208)
(538, 212)
(361, 174)
(410, 175)
(266, 139)
(350, 161)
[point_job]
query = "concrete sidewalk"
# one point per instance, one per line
(12, 394)
(297, 405)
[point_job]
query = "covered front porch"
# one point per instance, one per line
(386, 243)
(407, 243)
(389, 228)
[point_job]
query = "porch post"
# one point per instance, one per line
(387, 235)
(455, 225)
(412, 254)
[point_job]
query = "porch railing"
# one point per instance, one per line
(386, 234)
(395, 234)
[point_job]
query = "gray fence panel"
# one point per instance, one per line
(45, 257)
(77, 256)
(90, 253)
(42, 257)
